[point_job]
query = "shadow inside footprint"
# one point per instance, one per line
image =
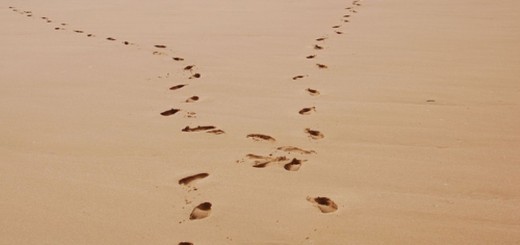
(192, 99)
(260, 137)
(216, 131)
(322, 66)
(198, 128)
(202, 211)
(294, 165)
(170, 112)
(178, 86)
(324, 204)
(313, 92)
(189, 179)
(314, 134)
(196, 75)
(307, 111)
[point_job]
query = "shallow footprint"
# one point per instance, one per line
(189, 68)
(324, 204)
(295, 149)
(307, 111)
(318, 47)
(159, 46)
(216, 131)
(311, 57)
(111, 39)
(189, 179)
(259, 137)
(314, 134)
(196, 75)
(298, 77)
(320, 39)
(322, 66)
(202, 211)
(177, 58)
(185, 243)
(170, 112)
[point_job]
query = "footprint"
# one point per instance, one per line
(259, 137)
(90, 35)
(322, 66)
(196, 75)
(318, 47)
(314, 134)
(263, 161)
(170, 112)
(63, 24)
(159, 46)
(198, 128)
(307, 111)
(202, 211)
(178, 86)
(185, 243)
(346, 21)
(190, 114)
(298, 77)
(177, 58)
(126, 43)
(324, 204)
(320, 39)
(111, 39)
(430, 101)
(346, 16)
(294, 165)
(291, 149)
(192, 99)
(311, 56)
(78, 31)
(216, 131)
(339, 33)
(313, 92)
(189, 68)
(336, 27)
(189, 179)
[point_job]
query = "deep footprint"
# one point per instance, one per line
(189, 179)
(198, 128)
(178, 86)
(170, 112)
(324, 204)
(202, 211)
(313, 92)
(259, 137)
(192, 99)
(314, 134)
(307, 111)
(294, 165)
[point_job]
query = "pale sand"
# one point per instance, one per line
(419, 109)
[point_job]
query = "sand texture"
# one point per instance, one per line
(260, 122)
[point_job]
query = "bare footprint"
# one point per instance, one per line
(198, 128)
(189, 179)
(177, 58)
(346, 16)
(336, 27)
(178, 86)
(324, 204)
(294, 165)
(311, 56)
(264, 161)
(78, 31)
(170, 112)
(318, 47)
(259, 137)
(307, 111)
(196, 75)
(90, 35)
(339, 33)
(111, 39)
(185, 243)
(126, 43)
(322, 66)
(321, 39)
(190, 114)
(291, 149)
(159, 46)
(314, 134)
(298, 77)
(313, 92)
(192, 99)
(216, 132)
(202, 211)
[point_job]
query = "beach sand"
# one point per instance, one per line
(299, 122)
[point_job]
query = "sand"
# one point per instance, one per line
(410, 137)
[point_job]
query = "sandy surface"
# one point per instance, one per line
(418, 117)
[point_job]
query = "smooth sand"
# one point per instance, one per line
(419, 109)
